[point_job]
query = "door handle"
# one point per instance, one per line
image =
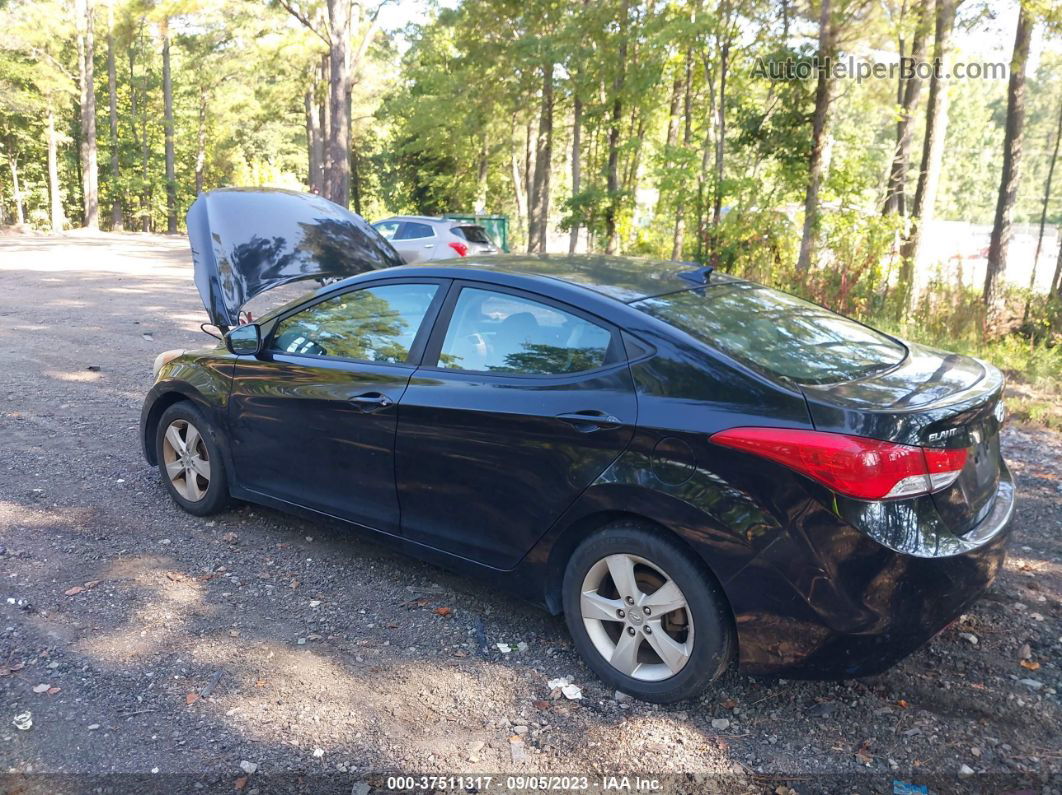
(429, 245)
(590, 420)
(371, 401)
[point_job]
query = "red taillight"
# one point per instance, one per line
(460, 248)
(869, 469)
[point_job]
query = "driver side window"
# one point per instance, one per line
(374, 324)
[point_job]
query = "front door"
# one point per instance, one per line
(521, 404)
(313, 417)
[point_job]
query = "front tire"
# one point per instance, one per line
(190, 461)
(644, 615)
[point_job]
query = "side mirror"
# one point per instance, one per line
(244, 340)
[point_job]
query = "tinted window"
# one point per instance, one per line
(473, 234)
(387, 228)
(503, 333)
(778, 333)
(414, 231)
(376, 324)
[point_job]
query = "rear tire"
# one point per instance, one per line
(189, 458)
(645, 615)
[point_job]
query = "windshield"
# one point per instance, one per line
(777, 333)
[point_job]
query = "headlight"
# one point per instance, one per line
(162, 359)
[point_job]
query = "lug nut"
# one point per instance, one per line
(648, 630)
(630, 600)
(647, 611)
(621, 613)
(630, 630)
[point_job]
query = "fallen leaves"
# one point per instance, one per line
(7, 670)
(902, 703)
(191, 698)
(1029, 665)
(88, 586)
(443, 612)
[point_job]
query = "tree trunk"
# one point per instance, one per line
(58, 221)
(112, 97)
(355, 178)
(720, 130)
(16, 190)
(1056, 280)
(539, 216)
(337, 179)
(809, 236)
(932, 153)
(1043, 208)
(314, 142)
(324, 125)
(909, 91)
(678, 239)
(200, 141)
(577, 165)
(167, 113)
(86, 61)
(1008, 184)
(482, 173)
(612, 179)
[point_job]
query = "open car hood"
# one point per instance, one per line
(248, 240)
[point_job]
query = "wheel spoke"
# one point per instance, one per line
(621, 567)
(200, 467)
(625, 655)
(174, 469)
(673, 653)
(191, 438)
(194, 492)
(664, 599)
(173, 436)
(594, 605)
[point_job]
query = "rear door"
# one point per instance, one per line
(415, 241)
(313, 417)
(521, 404)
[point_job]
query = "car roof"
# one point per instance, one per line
(427, 219)
(625, 279)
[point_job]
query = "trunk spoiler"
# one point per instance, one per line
(246, 241)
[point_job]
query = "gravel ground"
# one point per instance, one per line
(144, 640)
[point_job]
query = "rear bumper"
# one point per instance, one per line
(826, 600)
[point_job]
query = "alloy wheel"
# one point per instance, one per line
(637, 617)
(187, 460)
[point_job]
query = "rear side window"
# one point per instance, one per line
(413, 231)
(473, 234)
(505, 333)
(777, 333)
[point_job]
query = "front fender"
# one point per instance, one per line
(203, 378)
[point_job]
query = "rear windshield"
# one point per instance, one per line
(473, 234)
(777, 333)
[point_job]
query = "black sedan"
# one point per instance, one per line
(694, 469)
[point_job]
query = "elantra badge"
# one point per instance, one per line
(941, 435)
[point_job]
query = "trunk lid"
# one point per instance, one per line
(930, 399)
(247, 241)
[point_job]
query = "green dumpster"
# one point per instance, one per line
(497, 226)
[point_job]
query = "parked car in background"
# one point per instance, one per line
(420, 238)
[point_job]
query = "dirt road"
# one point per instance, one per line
(144, 640)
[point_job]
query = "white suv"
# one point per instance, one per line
(420, 238)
